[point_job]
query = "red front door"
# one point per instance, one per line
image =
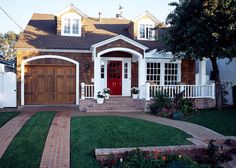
(114, 77)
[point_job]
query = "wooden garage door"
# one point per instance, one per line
(50, 84)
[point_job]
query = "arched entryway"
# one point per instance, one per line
(50, 81)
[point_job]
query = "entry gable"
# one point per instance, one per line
(119, 41)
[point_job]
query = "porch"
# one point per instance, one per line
(203, 96)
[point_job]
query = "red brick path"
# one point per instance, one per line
(11, 128)
(57, 147)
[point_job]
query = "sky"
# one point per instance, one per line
(22, 10)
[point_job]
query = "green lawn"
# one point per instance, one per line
(223, 122)
(27, 147)
(6, 116)
(88, 133)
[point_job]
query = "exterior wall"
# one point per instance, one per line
(188, 72)
(133, 29)
(59, 22)
(119, 43)
(227, 74)
(86, 68)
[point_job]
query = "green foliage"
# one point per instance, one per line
(161, 103)
(91, 132)
(177, 108)
(215, 156)
(201, 29)
(7, 44)
(138, 158)
(25, 150)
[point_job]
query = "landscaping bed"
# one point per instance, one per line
(89, 133)
(26, 148)
(6, 116)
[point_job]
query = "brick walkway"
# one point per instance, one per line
(197, 131)
(10, 129)
(56, 152)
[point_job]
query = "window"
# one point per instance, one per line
(75, 26)
(67, 26)
(126, 70)
(154, 73)
(71, 25)
(171, 73)
(102, 71)
(146, 31)
(163, 73)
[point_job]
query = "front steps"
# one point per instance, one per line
(113, 104)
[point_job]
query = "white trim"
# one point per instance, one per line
(119, 49)
(71, 16)
(146, 13)
(120, 37)
(162, 68)
(54, 50)
(72, 7)
(43, 57)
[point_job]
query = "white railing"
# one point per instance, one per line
(87, 91)
(190, 91)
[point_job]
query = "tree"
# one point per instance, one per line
(7, 44)
(203, 29)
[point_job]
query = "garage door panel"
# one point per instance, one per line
(50, 84)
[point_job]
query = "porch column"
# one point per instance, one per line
(97, 75)
(141, 77)
(202, 72)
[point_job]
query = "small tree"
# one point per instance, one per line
(203, 29)
(7, 44)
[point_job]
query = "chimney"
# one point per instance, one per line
(100, 18)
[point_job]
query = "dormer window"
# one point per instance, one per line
(71, 25)
(146, 31)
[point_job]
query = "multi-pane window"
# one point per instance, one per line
(146, 31)
(67, 26)
(71, 26)
(154, 72)
(102, 71)
(126, 70)
(171, 74)
(75, 26)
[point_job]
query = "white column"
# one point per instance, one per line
(202, 72)
(141, 76)
(97, 75)
(147, 91)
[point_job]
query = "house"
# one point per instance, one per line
(69, 57)
(228, 78)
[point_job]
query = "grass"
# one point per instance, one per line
(6, 116)
(223, 121)
(26, 149)
(88, 133)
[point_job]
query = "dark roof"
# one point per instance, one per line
(41, 33)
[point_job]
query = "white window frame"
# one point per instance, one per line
(162, 68)
(70, 16)
(146, 22)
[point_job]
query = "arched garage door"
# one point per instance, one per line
(49, 81)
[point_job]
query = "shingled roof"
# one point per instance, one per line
(40, 33)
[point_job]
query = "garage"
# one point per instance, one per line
(50, 84)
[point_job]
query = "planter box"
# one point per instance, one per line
(100, 100)
(135, 96)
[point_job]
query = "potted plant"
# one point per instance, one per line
(134, 92)
(107, 92)
(100, 98)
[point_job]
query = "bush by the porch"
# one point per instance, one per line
(177, 108)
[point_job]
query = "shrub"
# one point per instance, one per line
(177, 108)
(161, 103)
(177, 115)
(138, 158)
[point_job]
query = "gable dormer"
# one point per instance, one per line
(70, 22)
(143, 27)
